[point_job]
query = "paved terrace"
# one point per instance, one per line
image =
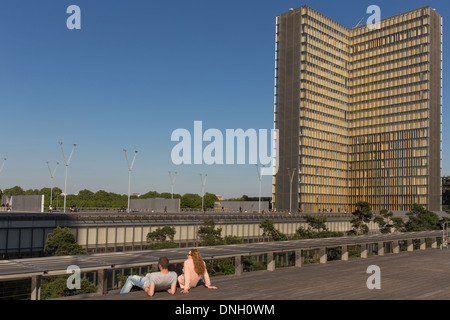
(418, 275)
(246, 284)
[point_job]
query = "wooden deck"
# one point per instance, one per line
(417, 275)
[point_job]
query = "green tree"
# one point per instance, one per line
(191, 200)
(31, 192)
(270, 230)
(48, 192)
(233, 240)
(14, 191)
(209, 199)
(220, 267)
(317, 223)
(387, 222)
(162, 238)
(237, 199)
(316, 229)
(55, 287)
(150, 194)
(361, 216)
(108, 199)
(209, 235)
(305, 233)
(61, 242)
(421, 219)
(85, 195)
(168, 195)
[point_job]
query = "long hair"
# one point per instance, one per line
(199, 265)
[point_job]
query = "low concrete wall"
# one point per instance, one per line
(241, 206)
(24, 203)
(155, 204)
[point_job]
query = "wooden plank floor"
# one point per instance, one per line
(423, 275)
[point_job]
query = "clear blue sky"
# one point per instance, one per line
(136, 71)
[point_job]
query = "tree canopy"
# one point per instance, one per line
(103, 199)
(208, 234)
(269, 229)
(162, 238)
(421, 219)
(61, 242)
(387, 222)
(361, 217)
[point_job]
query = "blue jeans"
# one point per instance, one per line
(133, 281)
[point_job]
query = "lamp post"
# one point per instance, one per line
(67, 165)
(259, 177)
(52, 175)
(3, 163)
(203, 186)
(349, 193)
(172, 180)
(291, 177)
(129, 175)
(384, 185)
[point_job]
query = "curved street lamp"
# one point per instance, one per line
(3, 163)
(259, 177)
(52, 175)
(67, 165)
(203, 187)
(291, 177)
(129, 175)
(172, 180)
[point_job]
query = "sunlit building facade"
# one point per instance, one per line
(358, 112)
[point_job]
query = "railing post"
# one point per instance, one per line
(344, 255)
(270, 261)
(410, 245)
(396, 247)
(434, 242)
(298, 258)
(102, 281)
(423, 244)
(363, 250)
(323, 255)
(381, 248)
(238, 267)
(36, 287)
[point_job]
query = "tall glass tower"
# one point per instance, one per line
(358, 112)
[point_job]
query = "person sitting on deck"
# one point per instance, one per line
(193, 270)
(154, 281)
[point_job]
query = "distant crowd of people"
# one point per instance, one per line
(73, 208)
(6, 206)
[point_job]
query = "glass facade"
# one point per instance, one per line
(365, 109)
